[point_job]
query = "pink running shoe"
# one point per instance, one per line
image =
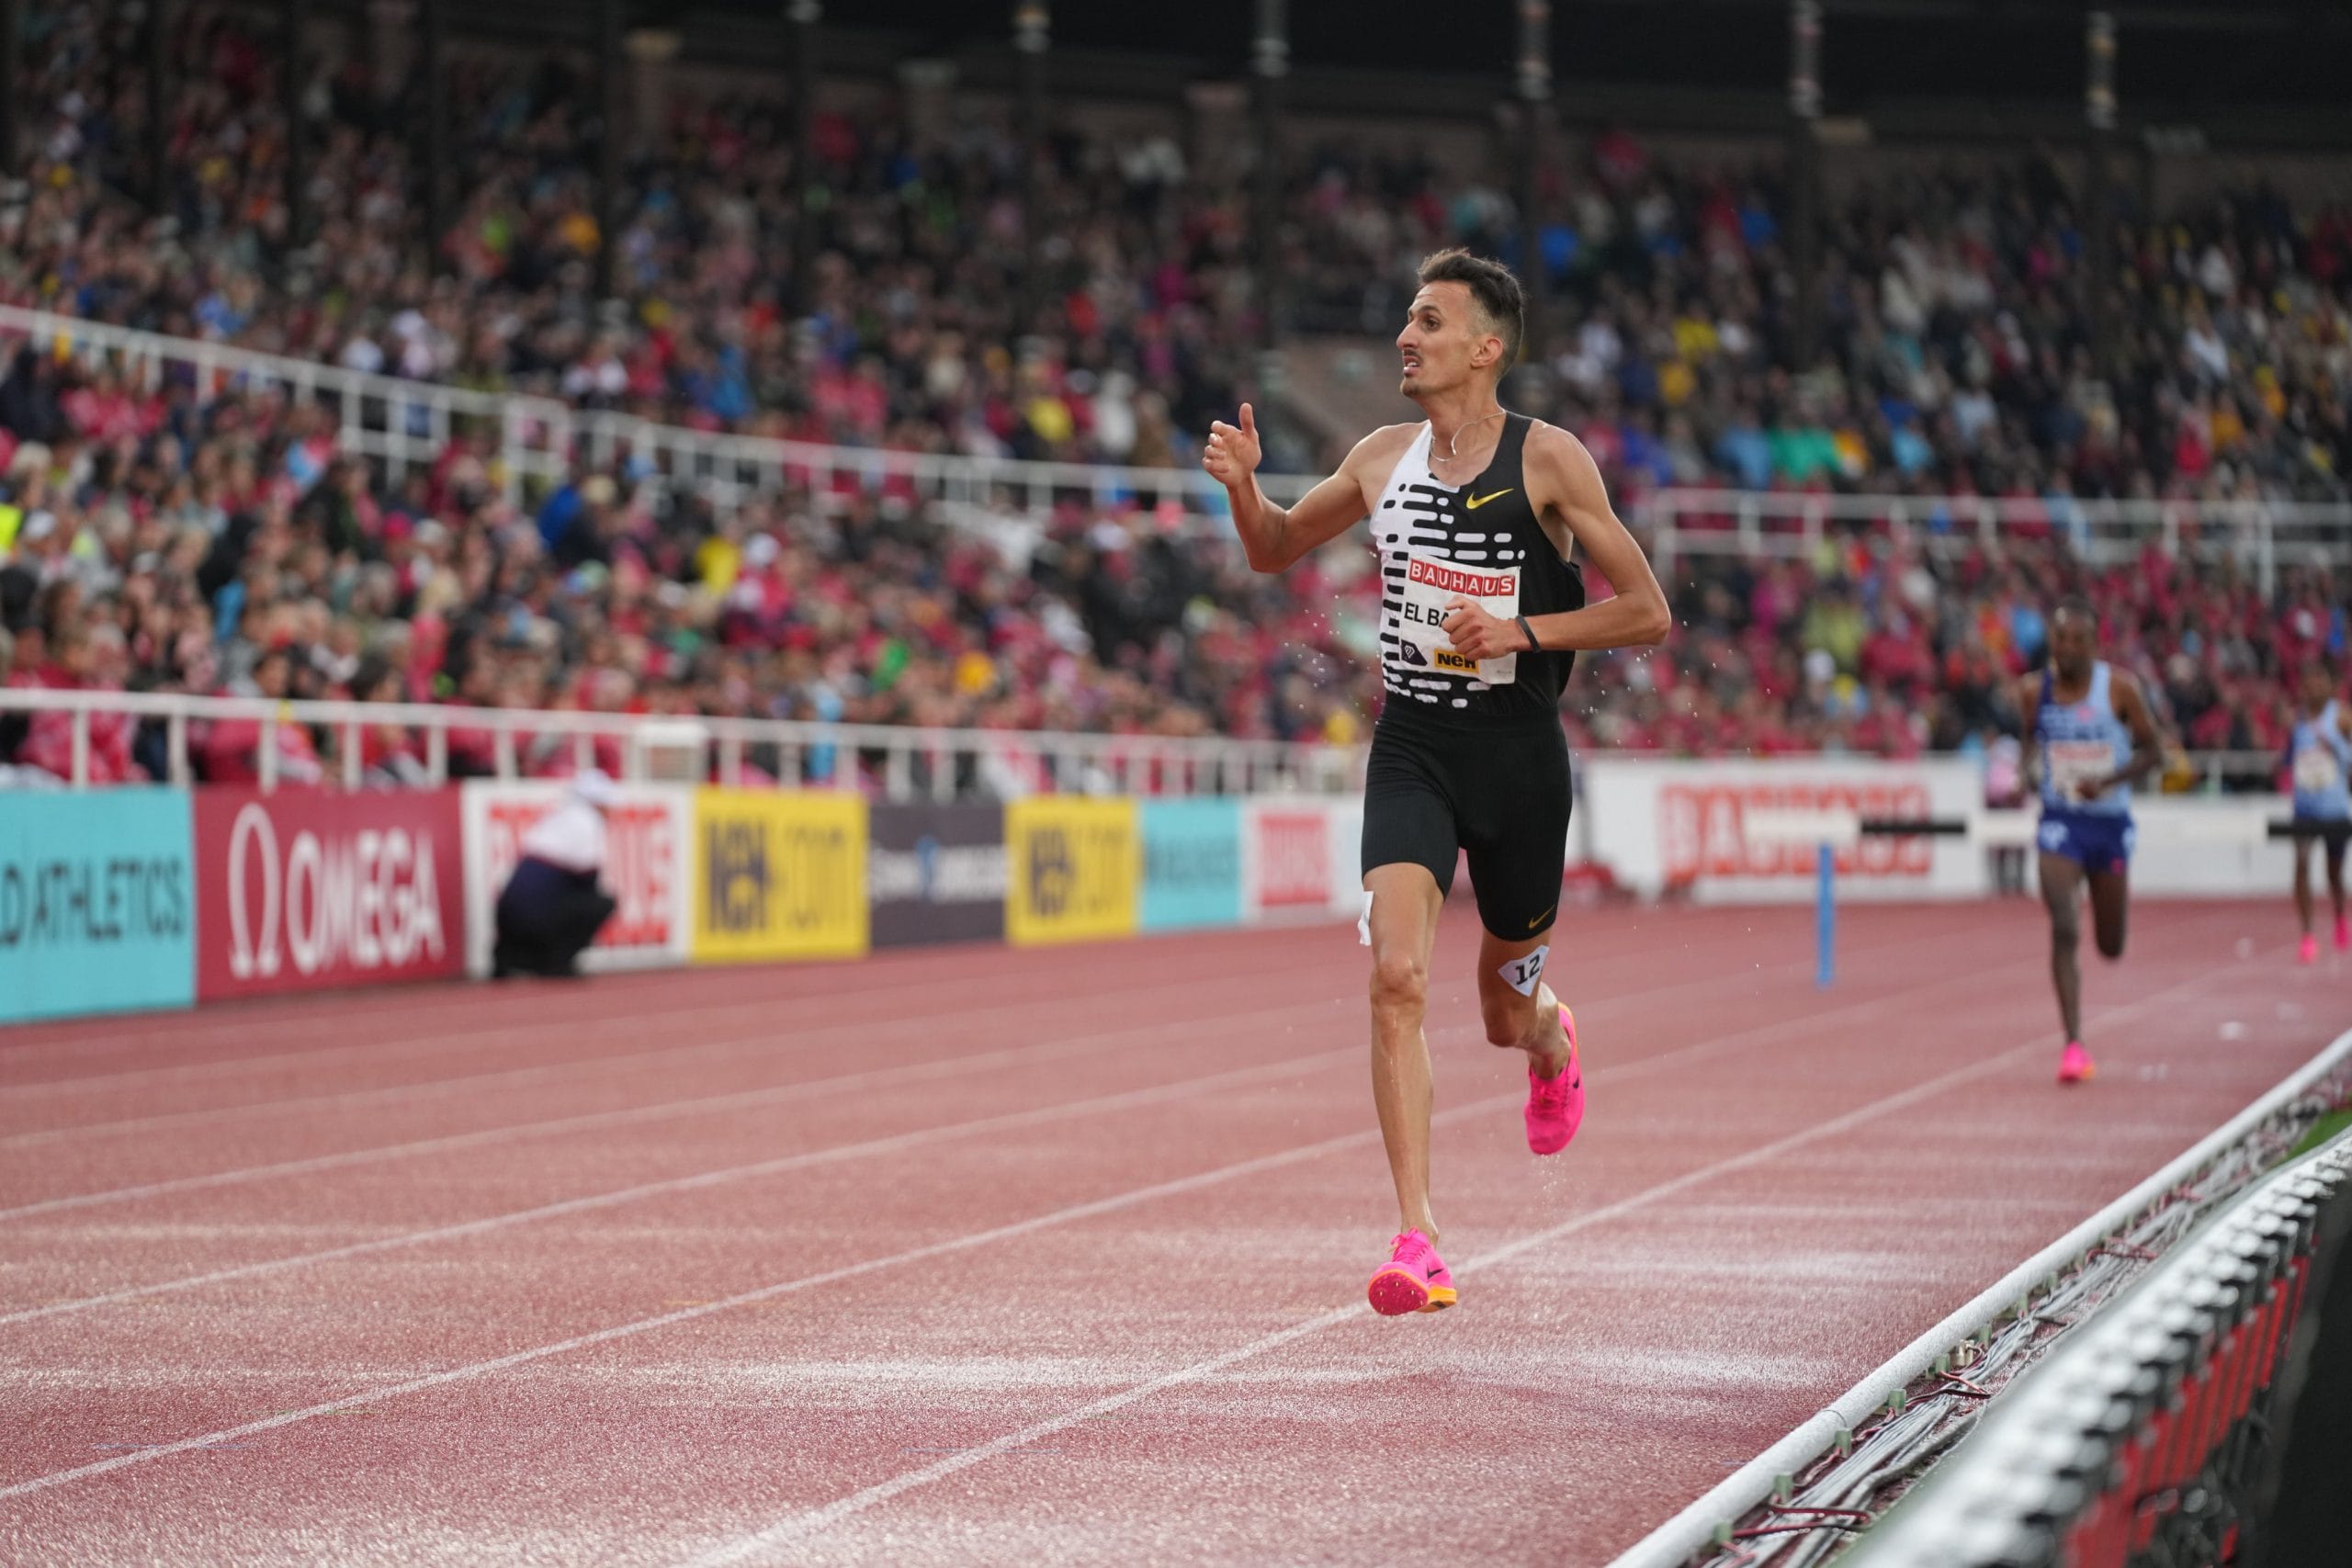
(1415, 1279)
(2343, 934)
(1555, 1105)
(2309, 952)
(2075, 1065)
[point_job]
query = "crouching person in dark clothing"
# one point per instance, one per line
(552, 905)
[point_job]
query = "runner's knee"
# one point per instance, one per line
(1399, 980)
(2065, 926)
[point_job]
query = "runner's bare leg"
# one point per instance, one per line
(1405, 905)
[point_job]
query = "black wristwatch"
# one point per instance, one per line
(1528, 633)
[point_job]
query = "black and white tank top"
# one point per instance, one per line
(1480, 542)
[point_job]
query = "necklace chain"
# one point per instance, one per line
(1452, 440)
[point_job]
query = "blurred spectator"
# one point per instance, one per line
(233, 747)
(552, 906)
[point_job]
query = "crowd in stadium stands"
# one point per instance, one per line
(1884, 649)
(157, 540)
(232, 551)
(1955, 355)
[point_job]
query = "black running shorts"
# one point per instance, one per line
(1500, 793)
(2334, 832)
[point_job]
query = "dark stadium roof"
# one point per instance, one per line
(2254, 72)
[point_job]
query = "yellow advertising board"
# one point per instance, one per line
(1074, 868)
(778, 874)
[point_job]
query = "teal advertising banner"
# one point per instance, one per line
(1192, 865)
(97, 902)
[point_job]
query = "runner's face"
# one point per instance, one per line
(2318, 686)
(1443, 340)
(2071, 643)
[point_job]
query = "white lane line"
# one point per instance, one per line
(830, 1034)
(799, 1525)
(634, 1115)
(289, 1011)
(1640, 1067)
(1754, 1035)
(638, 1018)
(371, 1050)
(477, 1082)
(847, 1032)
(895, 1142)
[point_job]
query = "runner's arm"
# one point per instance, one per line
(2031, 765)
(2148, 744)
(1276, 537)
(1559, 468)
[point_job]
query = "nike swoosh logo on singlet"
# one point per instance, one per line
(1476, 501)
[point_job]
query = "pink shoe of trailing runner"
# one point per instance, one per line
(2309, 952)
(2075, 1064)
(1415, 1279)
(1555, 1105)
(2343, 934)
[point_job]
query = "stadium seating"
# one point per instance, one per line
(166, 538)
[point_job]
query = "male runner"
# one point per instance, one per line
(2319, 757)
(1473, 514)
(2091, 728)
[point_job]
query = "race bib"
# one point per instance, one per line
(2076, 763)
(2316, 771)
(1430, 585)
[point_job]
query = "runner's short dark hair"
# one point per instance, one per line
(1494, 286)
(2075, 606)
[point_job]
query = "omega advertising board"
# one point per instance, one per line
(304, 890)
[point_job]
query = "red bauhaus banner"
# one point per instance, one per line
(304, 890)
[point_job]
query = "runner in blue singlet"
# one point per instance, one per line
(2088, 728)
(2320, 759)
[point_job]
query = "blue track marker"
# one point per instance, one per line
(1825, 972)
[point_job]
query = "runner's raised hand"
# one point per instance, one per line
(1233, 453)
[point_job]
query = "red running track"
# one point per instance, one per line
(1044, 1258)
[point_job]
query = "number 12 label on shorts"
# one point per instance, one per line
(1430, 585)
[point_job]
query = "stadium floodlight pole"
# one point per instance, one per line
(2099, 227)
(436, 78)
(608, 146)
(295, 18)
(1031, 36)
(1804, 177)
(804, 15)
(1269, 62)
(1534, 103)
(159, 100)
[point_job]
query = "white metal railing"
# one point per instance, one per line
(401, 424)
(2259, 536)
(404, 423)
(912, 763)
(537, 442)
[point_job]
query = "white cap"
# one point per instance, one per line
(596, 787)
